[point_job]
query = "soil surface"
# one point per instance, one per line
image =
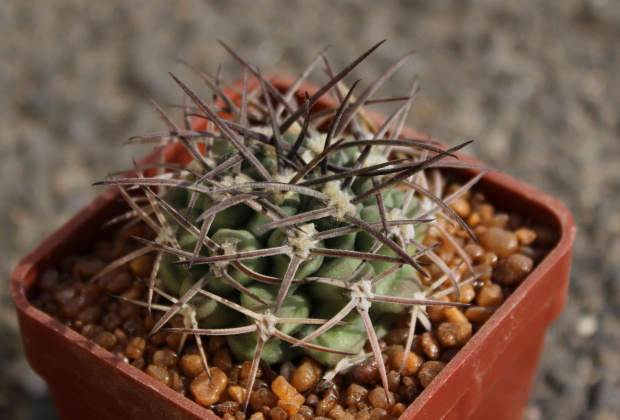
(535, 84)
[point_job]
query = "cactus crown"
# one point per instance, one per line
(291, 230)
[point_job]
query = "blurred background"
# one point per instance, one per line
(536, 84)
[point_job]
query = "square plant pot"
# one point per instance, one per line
(490, 377)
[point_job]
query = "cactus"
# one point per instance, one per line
(283, 236)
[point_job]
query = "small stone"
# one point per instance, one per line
(393, 379)
(454, 314)
(490, 295)
(455, 334)
(377, 399)
(499, 241)
(467, 293)
(278, 413)
(217, 342)
(479, 314)
(461, 207)
(513, 269)
(355, 394)
(222, 360)
(366, 371)
(307, 374)
(237, 393)
(118, 282)
(398, 410)
(159, 373)
(263, 400)
(378, 414)
(246, 367)
(429, 371)
(257, 416)
(430, 345)
(141, 266)
(135, 348)
(105, 339)
(227, 407)
(525, 236)
(286, 392)
(165, 358)
(326, 405)
(290, 408)
(192, 365)
(138, 363)
(206, 392)
(411, 362)
(337, 413)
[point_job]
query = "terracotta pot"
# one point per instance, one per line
(491, 377)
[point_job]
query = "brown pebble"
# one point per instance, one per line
(393, 380)
(91, 330)
(378, 414)
(454, 314)
(490, 295)
(307, 374)
(366, 371)
(177, 384)
(455, 334)
(326, 405)
(257, 416)
(159, 373)
(141, 266)
(355, 394)
(411, 362)
(139, 363)
(222, 360)
(513, 269)
(207, 392)
(165, 358)
(285, 391)
(499, 241)
(306, 412)
(135, 347)
(479, 314)
(216, 343)
(263, 400)
(466, 294)
(377, 398)
(435, 313)
(398, 410)
(338, 413)
(90, 315)
(461, 207)
(525, 236)
(278, 413)
(192, 365)
(227, 407)
(105, 339)
(430, 345)
(237, 393)
(429, 371)
(118, 282)
(397, 336)
(246, 367)
(291, 408)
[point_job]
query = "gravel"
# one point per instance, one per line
(532, 82)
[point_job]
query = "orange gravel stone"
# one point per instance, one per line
(307, 374)
(286, 392)
(206, 392)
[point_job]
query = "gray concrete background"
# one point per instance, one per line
(535, 83)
